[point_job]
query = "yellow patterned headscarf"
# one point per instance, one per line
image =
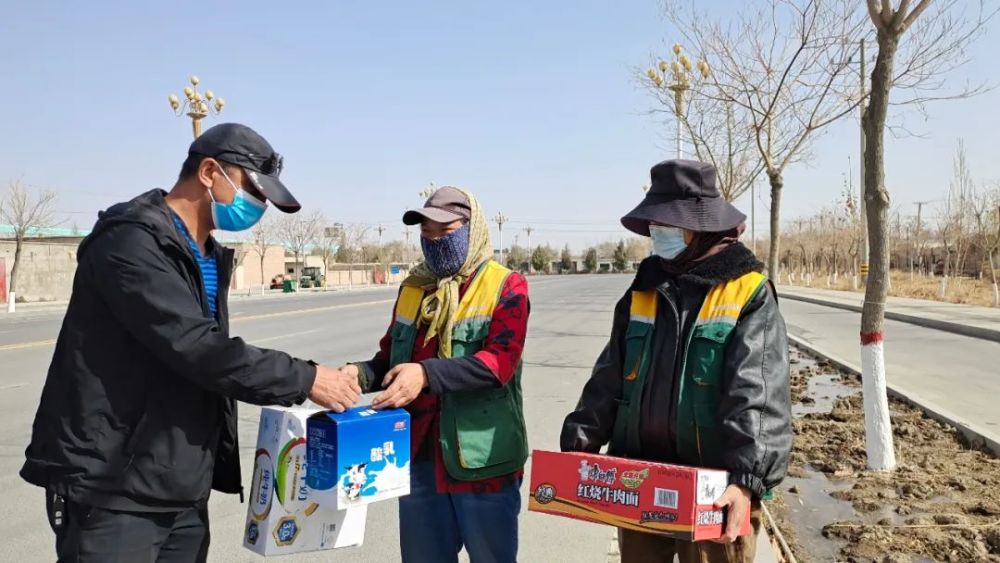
(440, 303)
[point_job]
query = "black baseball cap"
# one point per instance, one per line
(240, 145)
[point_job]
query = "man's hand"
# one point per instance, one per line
(334, 389)
(737, 500)
(403, 384)
(352, 371)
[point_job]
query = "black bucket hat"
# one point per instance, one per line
(683, 194)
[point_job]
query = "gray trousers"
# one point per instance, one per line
(88, 534)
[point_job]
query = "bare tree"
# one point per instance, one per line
(517, 257)
(719, 133)
(957, 219)
(638, 248)
(786, 64)
(326, 245)
(263, 236)
(986, 212)
(299, 233)
(934, 47)
(25, 213)
(351, 240)
(565, 260)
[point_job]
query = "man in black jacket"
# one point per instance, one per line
(137, 421)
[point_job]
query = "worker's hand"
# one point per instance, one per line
(737, 500)
(334, 390)
(352, 370)
(403, 384)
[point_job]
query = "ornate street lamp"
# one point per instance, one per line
(680, 70)
(197, 105)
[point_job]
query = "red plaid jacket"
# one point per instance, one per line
(494, 365)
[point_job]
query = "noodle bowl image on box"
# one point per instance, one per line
(283, 516)
(359, 457)
(671, 500)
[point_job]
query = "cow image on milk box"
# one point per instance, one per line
(359, 456)
(283, 517)
(645, 496)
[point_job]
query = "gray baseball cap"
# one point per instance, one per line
(446, 205)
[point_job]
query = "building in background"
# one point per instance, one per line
(247, 274)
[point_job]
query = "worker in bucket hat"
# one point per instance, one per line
(696, 370)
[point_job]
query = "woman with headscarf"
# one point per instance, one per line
(452, 358)
(696, 370)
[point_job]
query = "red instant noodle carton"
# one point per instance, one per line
(671, 500)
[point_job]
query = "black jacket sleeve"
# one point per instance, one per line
(756, 404)
(459, 374)
(145, 292)
(372, 373)
(590, 426)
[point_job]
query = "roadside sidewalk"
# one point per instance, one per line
(950, 376)
(967, 320)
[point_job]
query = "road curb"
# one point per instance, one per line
(977, 437)
(946, 326)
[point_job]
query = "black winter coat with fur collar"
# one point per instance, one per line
(755, 409)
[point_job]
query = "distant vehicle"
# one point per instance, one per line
(312, 276)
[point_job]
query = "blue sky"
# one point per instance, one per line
(534, 106)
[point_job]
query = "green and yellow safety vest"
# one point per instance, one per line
(698, 440)
(482, 431)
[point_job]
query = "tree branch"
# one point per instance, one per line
(923, 5)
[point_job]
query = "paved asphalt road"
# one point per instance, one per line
(952, 372)
(569, 323)
(570, 320)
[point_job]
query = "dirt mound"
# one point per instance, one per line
(941, 504)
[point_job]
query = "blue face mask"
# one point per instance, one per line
(243, 213)
(445, 256)
(668, 242)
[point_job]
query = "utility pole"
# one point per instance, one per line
(753, 217)
(528, 230)
(406, 233)
(500, 219)
(380, 229)
(864, 216)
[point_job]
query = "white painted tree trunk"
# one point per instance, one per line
(943, 287)
(854, 282)
(11, 302)
(878, 428)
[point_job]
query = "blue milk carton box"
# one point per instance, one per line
(359, 456)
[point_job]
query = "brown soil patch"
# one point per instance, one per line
(941, 504)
